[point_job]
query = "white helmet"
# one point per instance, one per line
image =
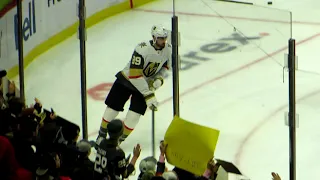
(159, 31)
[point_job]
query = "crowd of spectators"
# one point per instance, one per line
(37, 144)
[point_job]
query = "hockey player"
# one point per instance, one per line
(111, 162)
(139, 79)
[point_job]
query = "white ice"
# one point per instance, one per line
(241, 92)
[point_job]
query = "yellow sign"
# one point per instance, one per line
(190, 146)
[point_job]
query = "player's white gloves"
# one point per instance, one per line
(151, 101)
(155, 83)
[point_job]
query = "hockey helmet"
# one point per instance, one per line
(159, 31)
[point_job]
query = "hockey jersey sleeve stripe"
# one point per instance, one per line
(135, 73)
(134, 77)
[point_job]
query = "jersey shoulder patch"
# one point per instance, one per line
(142, 44)
(142, 48)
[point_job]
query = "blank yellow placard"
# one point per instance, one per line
(190, 145)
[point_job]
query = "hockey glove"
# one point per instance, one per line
(155, 83)
(151, 101)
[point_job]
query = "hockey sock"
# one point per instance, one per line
(109, 115)
(130, 122)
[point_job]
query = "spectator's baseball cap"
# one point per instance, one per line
(3, 73)
(83, 146)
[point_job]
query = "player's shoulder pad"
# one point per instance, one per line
(142, 47)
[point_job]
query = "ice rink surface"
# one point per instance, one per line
(231, 78)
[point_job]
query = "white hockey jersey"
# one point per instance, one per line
(146, 64)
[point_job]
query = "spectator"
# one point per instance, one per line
(24, 142)
(8, 163)
(9, 167)
(147, 165)
(110, 159)
(83, 168)
(49, 167)
(147, 175)
(16, 107)
(11, 90)
(178, 173)
(5, 123)
(3, 103)
(5, 114)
